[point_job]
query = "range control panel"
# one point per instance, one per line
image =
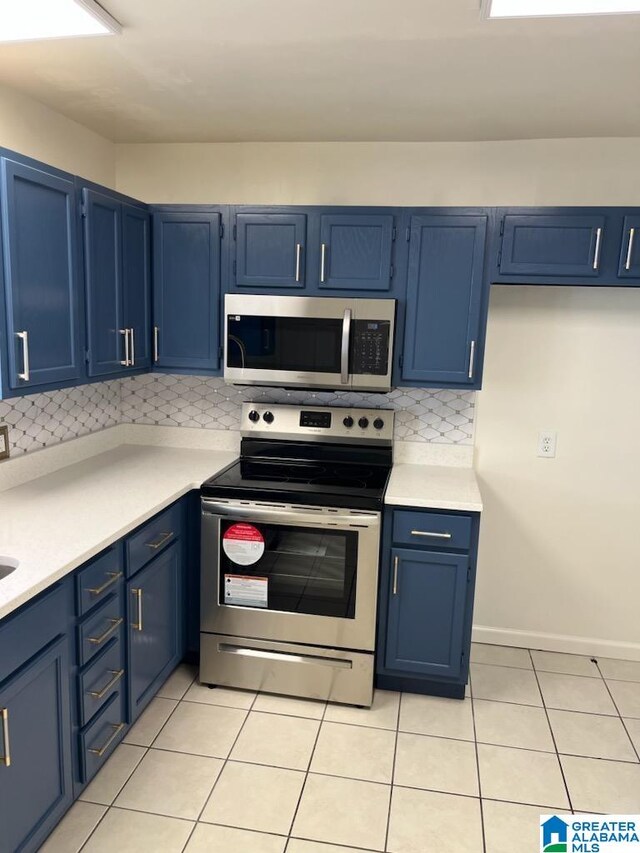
(328, 423)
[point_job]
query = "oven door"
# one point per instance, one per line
(293, 574)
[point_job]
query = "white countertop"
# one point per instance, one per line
(57, 513)
(434, 487)
(55, 523)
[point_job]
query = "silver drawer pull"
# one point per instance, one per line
(431, 534)
(160, 542)
(116, 731)
(137, 626)
(298, 253)
(323, 260)
(114, 577)
(6, 759)
(115, 623)
(632, 234)
(286, 657)
(156, 344)
(117, 675)
(126, 361)
(396, 561)
(26, 371)
(596, 254)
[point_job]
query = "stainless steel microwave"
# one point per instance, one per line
(309, 342)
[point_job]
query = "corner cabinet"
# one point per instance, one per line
(42, 291)
(446, 301)
(427, 584)
(186, 288)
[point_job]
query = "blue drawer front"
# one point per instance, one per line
(95, 582)
(99, 739)
(430, 529)
(153, 538)
(101, 679)
(98, 629)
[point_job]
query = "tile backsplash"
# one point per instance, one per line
(441, 417)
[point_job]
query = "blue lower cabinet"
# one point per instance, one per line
(426, 601)
(154, 605)
(102, 735)
(35, 749)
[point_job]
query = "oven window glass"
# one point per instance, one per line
(290, 569)
(302, 344)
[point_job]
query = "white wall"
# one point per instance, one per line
(560, 552)
(31, 128)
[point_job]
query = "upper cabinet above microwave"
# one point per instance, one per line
(320, 251)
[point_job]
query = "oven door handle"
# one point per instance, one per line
(289, 516)
(344, 353)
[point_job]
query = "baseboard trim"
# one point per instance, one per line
(591, 646)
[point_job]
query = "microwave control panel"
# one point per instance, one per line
(370, 347)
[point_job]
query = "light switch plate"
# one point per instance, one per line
(4, 442)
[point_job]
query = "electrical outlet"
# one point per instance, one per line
(4, 442)
(547, 443)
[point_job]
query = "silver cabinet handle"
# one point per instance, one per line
(164, 537)
(596, 254)
(137, 626)
(323, 260)
(396, 562)
(6, 758)
(156, 344)
(431, 534)
(126, 361)
(298, 253)
(472, 359)
(26, 372)
(115, 623)
(132, 336)
(632, 234)
(344, 354)
(113, 578)
(100, 751)
(117, 675)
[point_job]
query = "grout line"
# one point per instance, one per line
(306, 775)
(393, 771)
(620, 717)
(553, 738)
(475, 744)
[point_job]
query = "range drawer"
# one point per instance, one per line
(431, 529)
(151, 539)
(98, 629)
(104, 676)
(101, 737)
(97, 580)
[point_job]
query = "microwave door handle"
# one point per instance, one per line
(344, 355)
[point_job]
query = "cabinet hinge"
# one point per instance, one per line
(235, 267)
(499, 257)
(468, 574)
(502, 226)
(86, 356)
(220, 353)
(391, 271)
(83, 210)
(401, 361)
(393, 234)
(221, 230)
(235, 232)
(408, 234)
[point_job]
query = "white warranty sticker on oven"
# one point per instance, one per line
(250, 592)
(243, 544)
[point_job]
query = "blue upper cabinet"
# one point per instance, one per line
(629, 263)
(136, 282)
(186, 288)
(117, 283)
(107, 337)
(355, 251)
(444, 324)
(41, 281)
(270, 250)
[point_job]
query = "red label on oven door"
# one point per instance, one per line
(243, 544)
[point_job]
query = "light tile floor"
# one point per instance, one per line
(229, 771)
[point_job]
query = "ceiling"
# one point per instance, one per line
(357, 70)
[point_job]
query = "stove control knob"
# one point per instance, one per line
(268, 417)
(348, 421)
(378, 423)
(254, 416)
(363, 423)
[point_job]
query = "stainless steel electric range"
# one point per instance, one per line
(290, 550)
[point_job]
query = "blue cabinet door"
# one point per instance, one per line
(136, 282)
(552, 245)
(444, 298)
(270, 250)
(41, 276)
(629, 266)
(154, 605)
(35, 750)
(355, 251)
(186, 289)
(426, 612)
(108, 343)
